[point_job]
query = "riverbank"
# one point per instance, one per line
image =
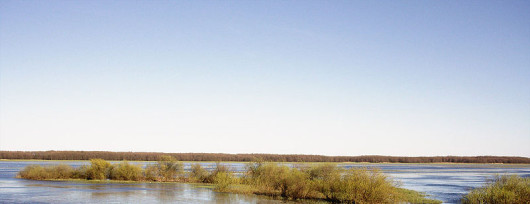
(486, 165)
(153, 156)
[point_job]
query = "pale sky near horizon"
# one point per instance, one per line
(402, 78)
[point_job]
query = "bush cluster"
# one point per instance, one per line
(502, 189)
(324, 182)
(198, 174)
(166, 169)
(126, 172)
(100, 169)
(37, 172)
(327, 182)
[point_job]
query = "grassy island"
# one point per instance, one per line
(321, 182)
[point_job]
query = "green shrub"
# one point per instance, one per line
(323, 182)
(61, 171)
(223, 180)
(502, 189)
(363, 186)
(323, 171)
(266, 177)
(296, 185)
(353, 185)
(37, 172)
(99, 169)
(169, 167)
(273, 179)
(327, 180)
(166, 169)
(125, 171)
(151, 173)
(198, 174)
(81, 172)
(219, 168)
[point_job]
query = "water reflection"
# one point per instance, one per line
(71, 192)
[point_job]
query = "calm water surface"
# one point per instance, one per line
(445, 182)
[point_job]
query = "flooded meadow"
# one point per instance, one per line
(446, 182)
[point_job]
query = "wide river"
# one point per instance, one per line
(446, 182)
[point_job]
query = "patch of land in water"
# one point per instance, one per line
(316, 182)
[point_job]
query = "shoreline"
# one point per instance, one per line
(245, 162)
(249, 157)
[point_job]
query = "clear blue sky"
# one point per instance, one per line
(311, 77)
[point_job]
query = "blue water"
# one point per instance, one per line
(446, 182)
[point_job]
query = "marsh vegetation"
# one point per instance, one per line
(327, 181)
(322, 182)
(502, 189)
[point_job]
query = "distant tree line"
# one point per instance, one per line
(154, 156)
